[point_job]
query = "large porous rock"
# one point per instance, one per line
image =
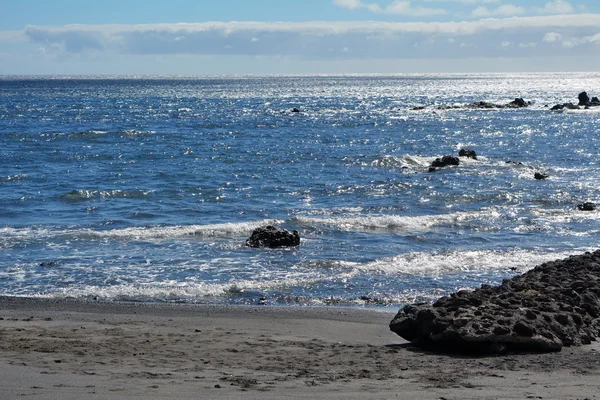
(553, 305)
(273, 237)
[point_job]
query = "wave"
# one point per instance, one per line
(11, 236)
(11, 178)
(115, 193)
(403, 162)
(461, 261)
(164, 232)
(396, 222)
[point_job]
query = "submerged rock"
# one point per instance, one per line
(540, 176)
(553, 305)
(273, 237)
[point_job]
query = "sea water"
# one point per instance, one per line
(146, 188)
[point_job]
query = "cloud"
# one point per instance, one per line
(398, 7)
(557, 7)
(12, 36)
(552, 37)
(506, 10)
(534, 36)
(357, 4)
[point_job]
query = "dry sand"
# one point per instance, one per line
(79, 350)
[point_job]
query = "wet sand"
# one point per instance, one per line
(61, 349)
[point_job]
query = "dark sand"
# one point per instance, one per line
(78, 350)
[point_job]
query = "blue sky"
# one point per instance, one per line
(309, 36)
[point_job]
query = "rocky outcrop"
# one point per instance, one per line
(443, 162)
(584, 99)
(553, 305)
(468, 153)
(518, 103)
(273, 237)
(586, 206)
(568, 106)
(540, 176)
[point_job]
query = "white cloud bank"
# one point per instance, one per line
(543, 36)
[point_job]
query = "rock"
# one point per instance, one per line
(584, 99)
(595, 101)
(568, 106)
(444, 162)
(483, 105)
(295, 110)
(586, 206)
(467, 153)
(273, 237)
(554, 305)
(49, 264)
(540, 176)
(518, 103)
(514, 162)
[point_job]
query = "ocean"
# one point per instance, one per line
(145, 188)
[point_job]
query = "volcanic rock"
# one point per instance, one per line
(586, 206)
(584, 99)
(444, 162)
(568, 106)
(540, 176)
(273, 237)
(467, 153)
(555, 304)
(518, 103)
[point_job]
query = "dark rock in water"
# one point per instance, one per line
(553, 305)
(595, 101)
(467, 153)
(49, 264)
(295, 110)
(518, 103)
(483, 105)
(419, 108)
(273, 237)
(540, 176)
(584, 99)
(444, 162)
(514, 162)
(568, 106)
(586, 206)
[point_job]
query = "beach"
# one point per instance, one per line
(72, 349)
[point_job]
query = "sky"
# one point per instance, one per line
(214, 37)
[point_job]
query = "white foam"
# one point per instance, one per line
(225, 229)
(193, 291)
(8, 235)
(397, 222)
(465, 261)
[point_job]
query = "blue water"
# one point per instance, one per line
(145, 189)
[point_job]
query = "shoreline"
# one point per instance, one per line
(68, 349)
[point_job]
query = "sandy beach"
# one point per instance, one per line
(60, 349)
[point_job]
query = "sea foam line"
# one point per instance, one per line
(396, 222)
